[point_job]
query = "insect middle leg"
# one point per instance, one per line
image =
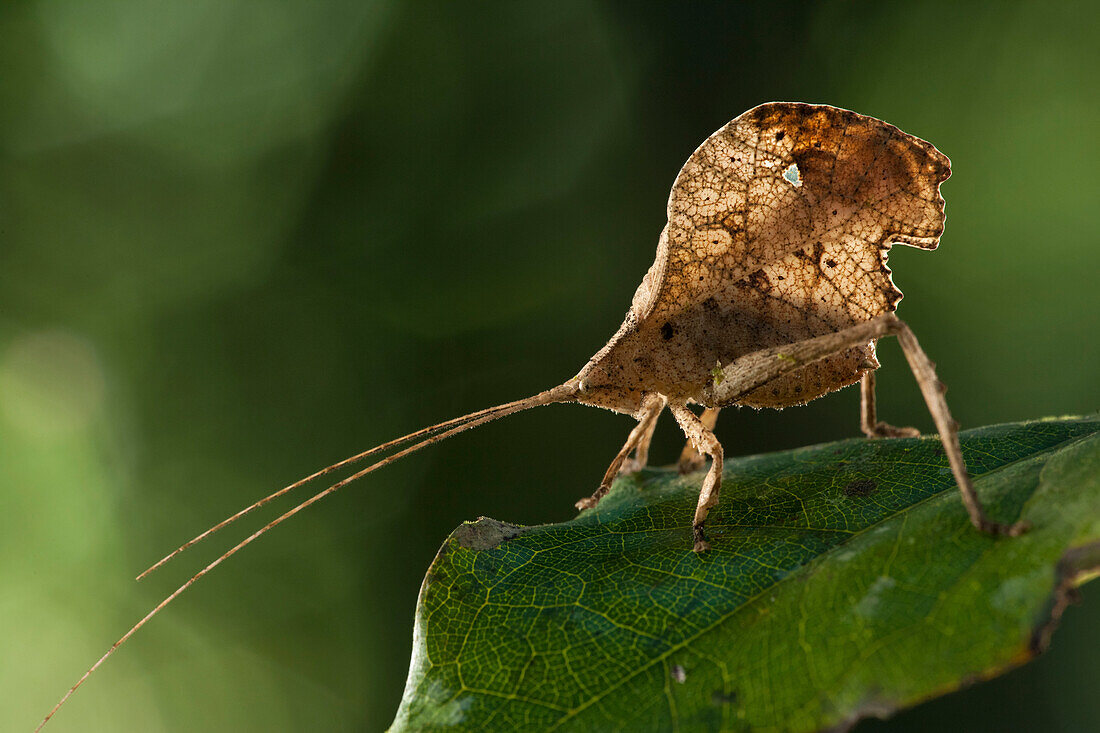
(868, 420)
(705, 442)
(652, 406)
(692, 460)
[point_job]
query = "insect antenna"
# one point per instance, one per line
(329, 469)
(561, 393)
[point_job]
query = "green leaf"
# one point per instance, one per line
(845, 581)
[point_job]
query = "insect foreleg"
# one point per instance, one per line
(652, 405)
(641, 451)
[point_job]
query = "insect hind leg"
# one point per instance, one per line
(746, 373)
(868, 420)
(924, 371)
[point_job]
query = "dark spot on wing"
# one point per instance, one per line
(759, 280)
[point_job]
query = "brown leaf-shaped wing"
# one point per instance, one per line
(778, 229)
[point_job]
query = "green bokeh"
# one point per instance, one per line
(240, 240)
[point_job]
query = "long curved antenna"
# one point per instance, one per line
(326, 470)
(562, 393)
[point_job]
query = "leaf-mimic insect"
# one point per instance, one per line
(770, 288)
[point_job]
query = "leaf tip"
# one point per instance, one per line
(485, 533)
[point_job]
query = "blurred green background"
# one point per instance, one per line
(241, 240)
